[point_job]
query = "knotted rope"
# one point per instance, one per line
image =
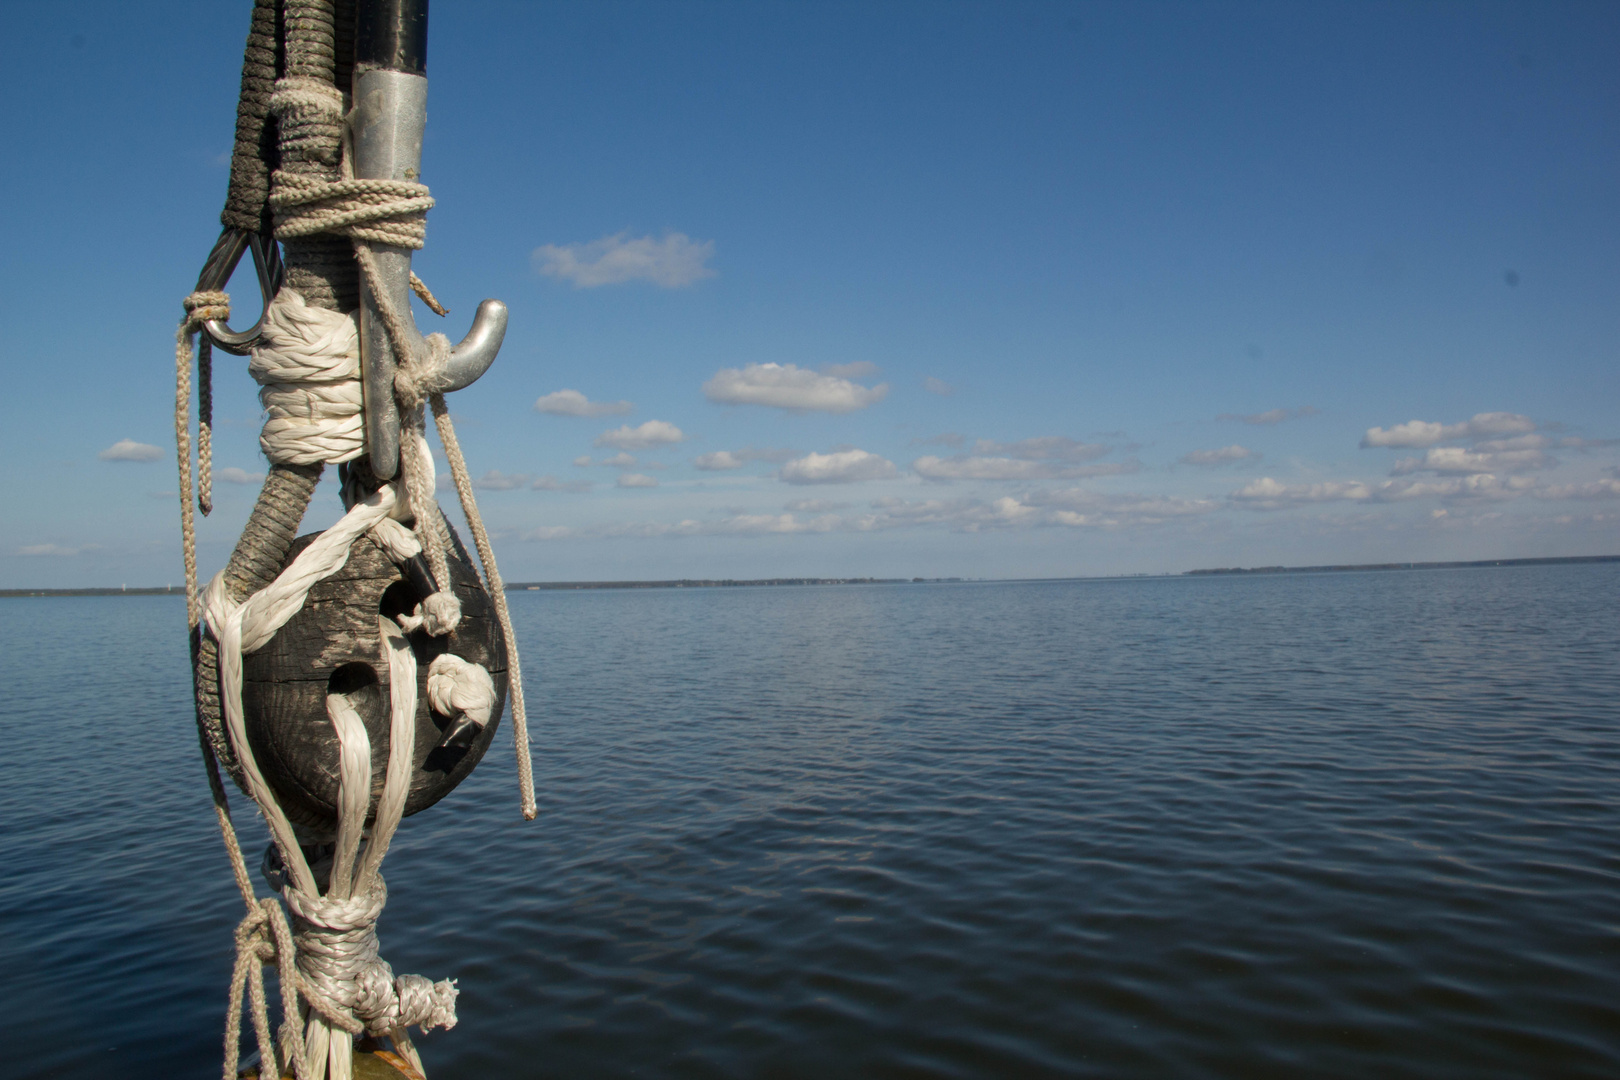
(337, 950)
(307, 365)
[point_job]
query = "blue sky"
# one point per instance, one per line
(1050, 289)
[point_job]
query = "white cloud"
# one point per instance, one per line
(1271, 416)
(741, 524)
(499, 481)
(551, 483)
(786, 386)
(642, 437)
(1518, 442)
(621, 460)
(974, 467)
(583, 460)
(1121, 510)
(721, 460)
(56, 549)
(1224, 456)
(1457, 460)
(574, 403)
(130, 450)
(1047, 457)
(1420, 433)
(938, 386)
(1044, 448)
(1269, 494)
(232, 475)
(636, 480)
(860, 369)
(718, 461)
(1484, 486)
(551, 532)
(1596, 489)
(745, 524)
(672, 262)
(840, 467)
(1073, 508)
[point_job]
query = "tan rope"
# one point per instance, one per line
(423, 293)
(378, 211)
(205, 424)
(497, 593)
(200, 307)
(412, 459)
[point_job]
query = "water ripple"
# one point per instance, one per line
(1335, 826)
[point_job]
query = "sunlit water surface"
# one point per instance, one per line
(1340, 825)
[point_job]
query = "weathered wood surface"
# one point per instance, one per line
(332, 644)
(369, 1064)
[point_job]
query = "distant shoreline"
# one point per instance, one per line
(1559, 560)
(722, 583)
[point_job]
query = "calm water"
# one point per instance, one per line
(1342, 825)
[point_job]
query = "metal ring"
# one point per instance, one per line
(217, 271)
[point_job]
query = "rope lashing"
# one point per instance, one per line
(378, 211)
(367, 211)
(309, 120)
(338, 957)
(372, 210)
(307, 363)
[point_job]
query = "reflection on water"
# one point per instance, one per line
(1335, 825)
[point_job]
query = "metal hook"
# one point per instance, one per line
(390, 112)
(216, 274)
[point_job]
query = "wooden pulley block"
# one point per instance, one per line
(332, 646)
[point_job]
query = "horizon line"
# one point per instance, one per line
(677, 583)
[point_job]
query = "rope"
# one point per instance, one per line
(332, 976)
(497, 593)
(307, 363)
(378, 211)
(205, 423)
(424, 294)
(254, 156)
(330, 958)
(200, 307)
